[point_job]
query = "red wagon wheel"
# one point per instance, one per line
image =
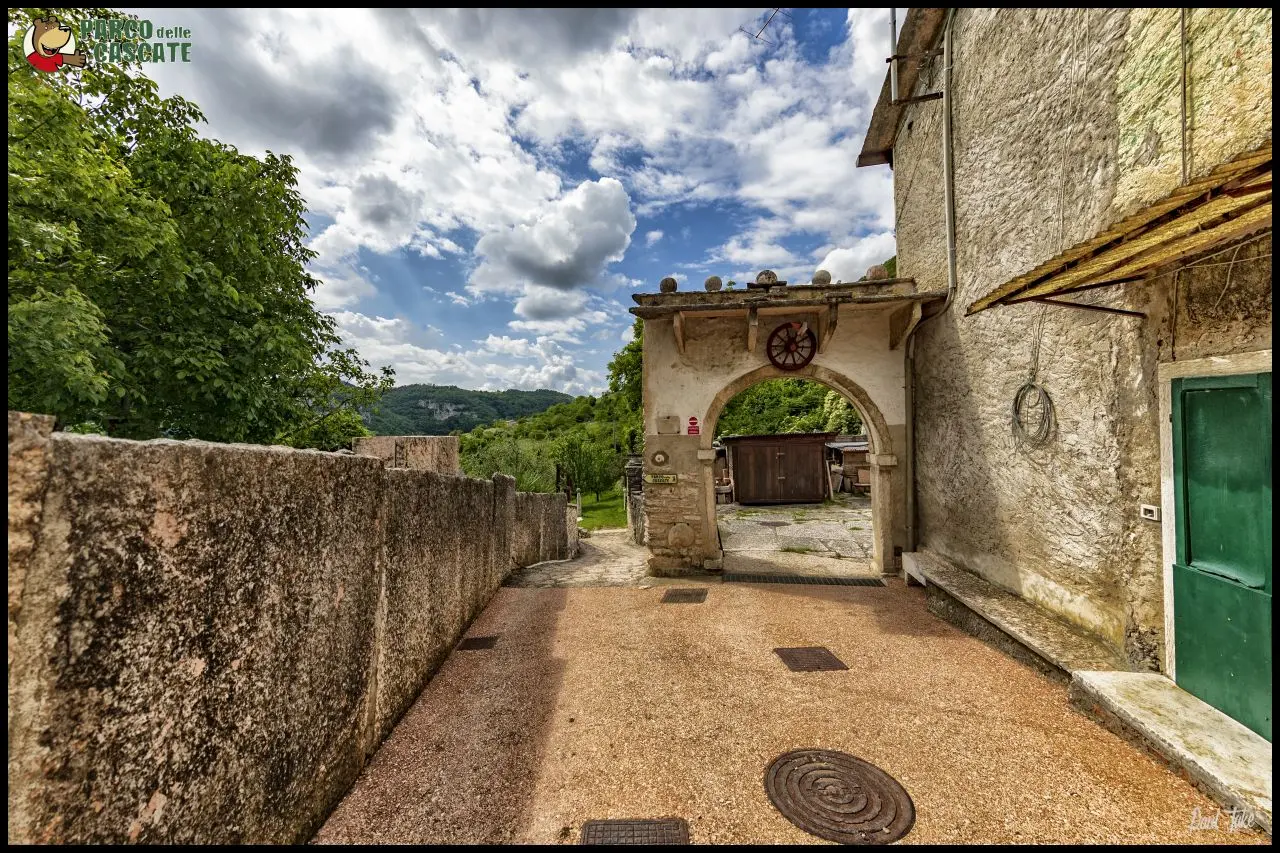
(791, 346)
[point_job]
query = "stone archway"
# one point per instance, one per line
(701, 349)
(883, 459)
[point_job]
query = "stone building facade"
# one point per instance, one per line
(1063, 123)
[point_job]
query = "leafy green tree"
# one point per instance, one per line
(839, 415)
(529, 462)
(590, 465)
(775, 406)
(157, 280)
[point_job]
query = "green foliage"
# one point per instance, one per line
(157, 280)
(891, 266)
(839, 415)
(786, 406)
(626, 376)
(528, 461)
(586, 436)
(591, 466)
(775, 406)
(442, 409)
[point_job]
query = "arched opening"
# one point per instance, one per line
(849, 527)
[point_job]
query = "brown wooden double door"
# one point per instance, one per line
(781, 471)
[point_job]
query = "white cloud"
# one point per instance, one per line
(850, 264)
(548, 260)
(455, 150)
(418, 357)
(339, 290)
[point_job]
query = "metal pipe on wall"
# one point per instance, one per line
(949, 211)
(893, 55)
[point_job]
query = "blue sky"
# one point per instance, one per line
(487, 188)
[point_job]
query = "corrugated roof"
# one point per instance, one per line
(1232, 201)
(848, 445)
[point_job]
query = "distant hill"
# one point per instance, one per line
(440, 409)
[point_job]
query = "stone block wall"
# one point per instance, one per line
(208, 641)
(438, 453)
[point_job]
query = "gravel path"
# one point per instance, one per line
(603, 703)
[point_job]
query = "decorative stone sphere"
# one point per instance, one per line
(766, 277)
(667, 285)
(822, 277)
(713, 283)
(877, 272)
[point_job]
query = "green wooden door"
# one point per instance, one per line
(1222, 572)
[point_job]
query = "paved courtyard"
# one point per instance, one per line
(602, 702)
(833, 539)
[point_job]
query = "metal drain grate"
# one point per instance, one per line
(685, 595)
(471, 643)
(774, 523)
(836, 796)
(661, 831)
(810, 659)
(736, 577)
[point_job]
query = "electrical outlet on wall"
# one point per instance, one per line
(1149, 512)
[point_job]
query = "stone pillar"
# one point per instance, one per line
(674, 511)
(882, 510)
(711, 553)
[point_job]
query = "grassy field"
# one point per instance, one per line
(609, 511)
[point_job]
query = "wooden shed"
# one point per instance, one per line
(779, 469)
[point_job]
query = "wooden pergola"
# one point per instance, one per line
(1229, 204)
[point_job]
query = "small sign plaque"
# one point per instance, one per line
(694, 429)
(661, 478)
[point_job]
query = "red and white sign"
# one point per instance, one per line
(693, 426)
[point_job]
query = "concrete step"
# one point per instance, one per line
(1061, 645)
(1225, 759)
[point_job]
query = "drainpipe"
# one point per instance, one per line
(893, 56)
(949, 208)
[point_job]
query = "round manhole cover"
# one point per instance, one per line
(838, 797)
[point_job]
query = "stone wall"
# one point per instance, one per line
(438, 453)
(1065, 121)
(635, 516)
(546, 528)
(208, 641)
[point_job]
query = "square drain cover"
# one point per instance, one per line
(810, 659)
(685, 595)
(477, 643)
(663, 831)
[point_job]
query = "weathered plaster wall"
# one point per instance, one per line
(1066, 120)
(206, 642)
(438, 453)
(716, 354)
